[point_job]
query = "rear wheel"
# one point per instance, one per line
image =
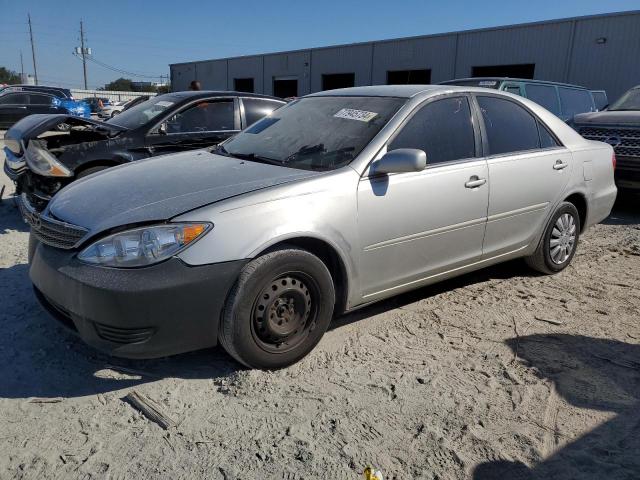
(559, 242)
(278, 310)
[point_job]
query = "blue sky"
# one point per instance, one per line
(144, 37)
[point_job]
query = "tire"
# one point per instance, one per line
(563, 229)
(266, 322)
(114, 113)
(91, 170)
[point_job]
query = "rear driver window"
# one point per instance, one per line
(510, 128)
(443, 129)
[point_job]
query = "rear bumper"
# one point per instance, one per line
(627, 173)
(148, 312)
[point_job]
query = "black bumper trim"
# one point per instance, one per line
(149, 312)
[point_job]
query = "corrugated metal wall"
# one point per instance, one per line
(570, 50)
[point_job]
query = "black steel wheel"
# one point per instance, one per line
(278, 310)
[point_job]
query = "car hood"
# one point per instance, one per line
(607, 117)
(38, 123)
(160, 188)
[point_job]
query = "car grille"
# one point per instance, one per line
(123, 335)
(48, 230)
(629, 139)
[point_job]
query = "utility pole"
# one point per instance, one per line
(21, 68)
(33, 50)
(84, 52)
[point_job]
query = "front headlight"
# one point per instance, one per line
(143, 246)
(43, 163)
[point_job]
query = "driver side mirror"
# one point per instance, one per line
(401, 160)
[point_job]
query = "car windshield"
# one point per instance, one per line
(141, 114)
(314, 133)
(628, 101)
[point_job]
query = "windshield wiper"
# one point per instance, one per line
(252, 157)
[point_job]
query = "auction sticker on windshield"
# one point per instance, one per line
(352, 114)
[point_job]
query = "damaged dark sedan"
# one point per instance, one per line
(41, 165)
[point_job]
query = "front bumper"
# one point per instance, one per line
(14, 166)
(149, 312)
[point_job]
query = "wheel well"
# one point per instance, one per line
(580, 203)
(330, 257)
(96, 163)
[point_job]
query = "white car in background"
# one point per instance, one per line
(109, 111)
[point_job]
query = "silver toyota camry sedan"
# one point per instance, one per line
(337, 200)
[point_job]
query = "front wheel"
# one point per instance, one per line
(559, 241)
(278, 309)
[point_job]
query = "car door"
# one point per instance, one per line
(415, 226)
(528, 170)
(13, 107)
(201, 124)
(41, 103)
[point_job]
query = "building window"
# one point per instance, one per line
(523, 70)
(338, 80)
(243, 85)
(285, 87)
(409, 77)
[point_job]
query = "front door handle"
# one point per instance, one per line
(560, 165)
(475, 182)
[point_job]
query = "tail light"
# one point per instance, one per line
(613, 160)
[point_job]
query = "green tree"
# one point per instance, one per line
(121, 84)
(9, 76)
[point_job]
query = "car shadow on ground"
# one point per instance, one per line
(10, 218)
(503, 271)
(39, 358)
(626, 210)
(589, 373)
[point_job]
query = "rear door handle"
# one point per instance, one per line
(475, 181)
(560, 165)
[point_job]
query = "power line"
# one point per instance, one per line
(116, 69)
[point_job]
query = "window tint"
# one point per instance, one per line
(36, 99)
(510, 128)
(203, 117)
(600, 99)
(546, 139)
(14, 99)
(575, 101)
(443, 129)
(255, 109)
(544, 95)
(513, 89)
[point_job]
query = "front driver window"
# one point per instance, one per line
(443, 129)
(207, 116)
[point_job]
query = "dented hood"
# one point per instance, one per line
(38, 123)
(161, 188)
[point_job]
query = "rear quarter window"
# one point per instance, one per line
(574, 101)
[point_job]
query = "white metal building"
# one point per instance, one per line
(599, 52)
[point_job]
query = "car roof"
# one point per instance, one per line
(189, 94)
(402, 91)
(510, 79)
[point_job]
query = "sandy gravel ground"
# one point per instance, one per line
(498, 374)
